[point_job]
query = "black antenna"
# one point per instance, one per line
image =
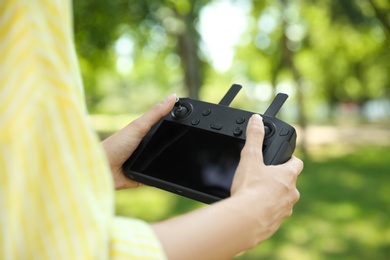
(230, 95)
(276, 104)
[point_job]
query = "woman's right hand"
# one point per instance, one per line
(261, 198)
(266, 194)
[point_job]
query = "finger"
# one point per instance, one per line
(125, 183)
(295, 164)
(254, 139)
(132, 184)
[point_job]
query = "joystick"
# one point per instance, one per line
(195, 149)
(181, 110)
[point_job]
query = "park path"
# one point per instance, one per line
(373, 134)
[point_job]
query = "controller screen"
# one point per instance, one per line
(194, 158)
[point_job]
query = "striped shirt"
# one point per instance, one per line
(56, 189)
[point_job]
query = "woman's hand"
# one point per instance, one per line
(261, 198)
(266, 193)
(121, 145)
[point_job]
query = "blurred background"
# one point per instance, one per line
(331, 57)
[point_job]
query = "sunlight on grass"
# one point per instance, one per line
(111, 123)
(151, 204)
(145, 202)
(342, 214)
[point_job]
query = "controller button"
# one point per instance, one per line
(206, 112)
(284, 132)
(195, 121)
(237, 131)
(240, 120)
(216, 126)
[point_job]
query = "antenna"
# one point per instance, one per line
(230, 95)
(276, 104)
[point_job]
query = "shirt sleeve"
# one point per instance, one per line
(56, 189)
(134, 239)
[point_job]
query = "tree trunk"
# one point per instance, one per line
(188, 50)
(289, 61)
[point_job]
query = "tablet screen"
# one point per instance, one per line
(195, 158)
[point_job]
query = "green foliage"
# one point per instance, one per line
(342, 214)
(131, 53)
(338, 48)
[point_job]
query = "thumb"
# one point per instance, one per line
(122, 144)
(253, 149)
(141, 126)
(159, 110)
(251, 155)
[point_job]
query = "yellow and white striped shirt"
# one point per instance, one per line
(56, 190)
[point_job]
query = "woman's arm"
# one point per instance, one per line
(262, 197)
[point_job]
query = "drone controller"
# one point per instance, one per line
(195, 149)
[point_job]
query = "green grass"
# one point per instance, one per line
(343, 212)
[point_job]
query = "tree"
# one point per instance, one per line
(159, 30)
(338, 48)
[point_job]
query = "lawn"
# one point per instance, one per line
(343, 212)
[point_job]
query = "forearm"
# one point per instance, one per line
(251, 215)
(212, 232)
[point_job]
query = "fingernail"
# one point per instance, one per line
(168, 98)
(256, 117)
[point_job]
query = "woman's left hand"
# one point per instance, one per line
(122, 144)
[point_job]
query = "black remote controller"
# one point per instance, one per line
(194, 150)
